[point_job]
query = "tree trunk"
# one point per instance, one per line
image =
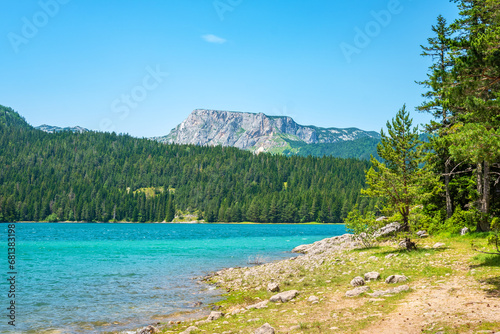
(449, 204)
(483, 188)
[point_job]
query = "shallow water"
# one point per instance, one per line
(92, 278)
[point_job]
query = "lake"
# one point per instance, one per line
(96, 278)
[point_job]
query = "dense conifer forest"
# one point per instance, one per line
(108, 177)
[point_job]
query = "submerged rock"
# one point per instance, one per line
(148, 330)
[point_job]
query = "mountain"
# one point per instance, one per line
(54, 129)
(9, 117)
(99, 176)
(275, 134)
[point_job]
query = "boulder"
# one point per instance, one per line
(358, 281)
(464, 231)
(148, 330)
(214, 315)
(422, 234)
(260, 305)
(438, 245)
(388, 229)
(357, 291)
(264, 329)
(396, 279)
(273, 287)
(284, 296)
(189, 330)
(372, 276)
(379, 219)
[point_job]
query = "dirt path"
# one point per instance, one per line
(457, 300)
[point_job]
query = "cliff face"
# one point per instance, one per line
(256, 132)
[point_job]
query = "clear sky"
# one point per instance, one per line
(140, 67)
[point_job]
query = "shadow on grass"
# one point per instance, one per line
(491, 261)
(486, 260)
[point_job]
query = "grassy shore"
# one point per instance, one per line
(452, 290)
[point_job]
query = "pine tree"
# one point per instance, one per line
(398, 178)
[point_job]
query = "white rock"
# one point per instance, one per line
(357, 291)
(372, 276)
(439, 245)
(357, 281)
(189, 330)
(214, 315)
(265, 329)
(396, 279)
(313, 299)
(273, 287)
(284, 296)
(260, 305)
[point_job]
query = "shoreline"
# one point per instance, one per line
(440, 280)
(186, 222)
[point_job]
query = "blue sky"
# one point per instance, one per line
(140, 67)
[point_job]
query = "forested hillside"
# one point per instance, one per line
(107, 177)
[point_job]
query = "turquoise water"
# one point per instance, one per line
(94, 278)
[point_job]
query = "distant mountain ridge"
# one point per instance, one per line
(54, 129)
(258, 132)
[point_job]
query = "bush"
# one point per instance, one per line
(363, 225)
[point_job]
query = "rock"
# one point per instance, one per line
(148, 330)
(264, 329)
(358, 281)
(273, 287)
(341, 242)
(388, 229)
(372, 258)
(422, 234)
(313, 299)
(197, 304)
(388, 256)
(464, 231)
(214, 315)
(294, 328)
(201, 322)
(438, 245)
(189, 330)
(372, 276)
(379, 219)
(392, 291)
(260, 305)
(284, 296)
(396, 279)
(357, 291)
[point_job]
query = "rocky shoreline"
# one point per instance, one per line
(337, 287)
